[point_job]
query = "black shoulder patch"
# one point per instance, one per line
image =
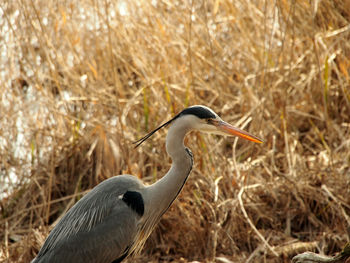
(200, 112)
(122, 257)
(135, 201)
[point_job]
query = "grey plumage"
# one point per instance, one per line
(100, 221)
(116, 217)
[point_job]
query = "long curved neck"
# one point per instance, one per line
(160, 195)
(164, 191)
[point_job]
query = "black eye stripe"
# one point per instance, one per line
(199, 111)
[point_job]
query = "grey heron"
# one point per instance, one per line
(116, 217)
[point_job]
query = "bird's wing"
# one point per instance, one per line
(100, 227)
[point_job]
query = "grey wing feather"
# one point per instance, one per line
(100, 227)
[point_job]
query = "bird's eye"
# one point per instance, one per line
(209, 121)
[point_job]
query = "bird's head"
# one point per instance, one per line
(204, 119)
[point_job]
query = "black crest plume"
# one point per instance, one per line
(140, 141)
(198, 111)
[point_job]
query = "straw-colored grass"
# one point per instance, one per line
(81, 80)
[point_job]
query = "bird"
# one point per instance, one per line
(116, 217)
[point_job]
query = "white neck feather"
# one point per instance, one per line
(162, 193)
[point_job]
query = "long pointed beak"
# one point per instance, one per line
(233, 131)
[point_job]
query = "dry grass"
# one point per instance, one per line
(80, 81)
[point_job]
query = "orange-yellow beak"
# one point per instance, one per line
(233, 131)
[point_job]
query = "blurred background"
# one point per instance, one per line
(81, 80)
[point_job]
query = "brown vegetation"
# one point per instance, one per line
(81, 80)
